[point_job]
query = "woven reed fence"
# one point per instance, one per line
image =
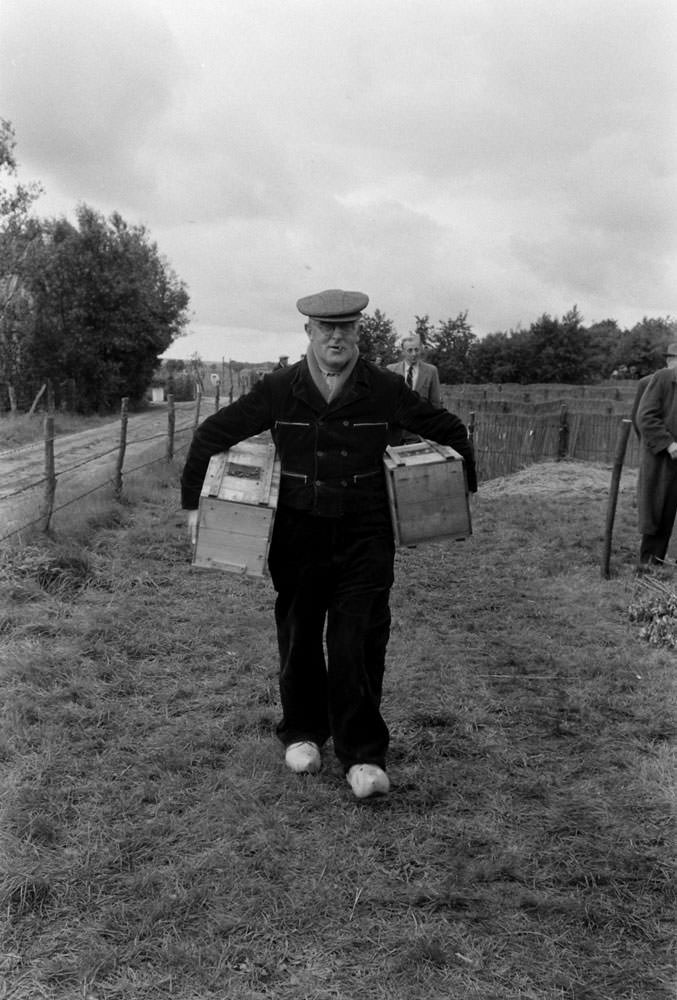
(516, 427)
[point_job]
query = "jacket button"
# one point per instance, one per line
(346, 423)
(344, 482)
(344, 452)
(320, 454)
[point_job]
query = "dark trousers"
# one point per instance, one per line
(653, 548)
(334, 573)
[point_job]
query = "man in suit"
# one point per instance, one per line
(423, 378)
(420, 376)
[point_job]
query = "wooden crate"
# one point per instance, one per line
(237, 509)
(428, 492)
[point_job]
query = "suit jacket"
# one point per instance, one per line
(331, 453)
(427, 383)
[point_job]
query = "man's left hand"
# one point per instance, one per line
(191, 524)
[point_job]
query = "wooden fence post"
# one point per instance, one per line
(563, 435)
(198, 400)
(621, 444)
(217, 397)
(171, 423)
(50, 473)
(471, 427)
(123, 447)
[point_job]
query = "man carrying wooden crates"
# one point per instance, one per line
(331, 555)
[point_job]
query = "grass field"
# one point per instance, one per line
(24, 428)
(154, 846)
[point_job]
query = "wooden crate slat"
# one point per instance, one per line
(234, 553)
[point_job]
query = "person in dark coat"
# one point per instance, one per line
(639, 392)
(657, 480)
(331, 557)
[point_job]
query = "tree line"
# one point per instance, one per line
(552, 349)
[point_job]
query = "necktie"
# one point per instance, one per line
(410, 377)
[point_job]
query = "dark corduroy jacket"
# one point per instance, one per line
(331, 454)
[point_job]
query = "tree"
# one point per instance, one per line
(449, 345)
(18, 232)
(500, 357)
(641, 350)
(378, 339)
(561, 349)
(605, 338)
(551, 350)
(423, 329)
(106, 306)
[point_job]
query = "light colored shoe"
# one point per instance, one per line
(368, 779)
(303, 758)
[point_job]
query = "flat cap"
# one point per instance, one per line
(333, 305)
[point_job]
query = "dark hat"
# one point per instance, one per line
(334, 305)
(671, 350)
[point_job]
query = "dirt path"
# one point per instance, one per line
(82, 461)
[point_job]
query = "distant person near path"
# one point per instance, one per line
(657, 482)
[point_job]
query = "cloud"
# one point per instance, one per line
(86, 83)
(508, 157)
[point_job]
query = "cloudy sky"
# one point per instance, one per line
(505, 157)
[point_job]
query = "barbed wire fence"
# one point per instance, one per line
(36, 504)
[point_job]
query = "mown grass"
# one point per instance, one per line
(154, 845)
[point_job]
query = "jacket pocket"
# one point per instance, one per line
(360, 476)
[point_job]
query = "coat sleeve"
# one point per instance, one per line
(435, 391)
(247, 416)
(641, 386)
(654, 411)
